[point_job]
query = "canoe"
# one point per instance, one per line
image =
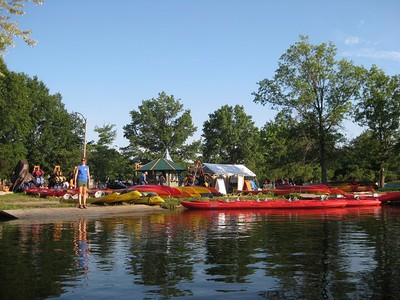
(268, 204)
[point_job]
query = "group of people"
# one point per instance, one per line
(143, 179)
(56, 179)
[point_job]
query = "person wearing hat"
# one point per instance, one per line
(82, 177)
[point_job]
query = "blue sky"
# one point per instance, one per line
(106, 57)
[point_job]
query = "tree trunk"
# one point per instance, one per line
(324, 175)
(322, 154)
(381, 177)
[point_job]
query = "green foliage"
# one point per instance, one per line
(316, 88)
(360, 160)
(231, 137)
(13, 124)
(34, 125)
(107, 134)
(51, 136)
(379, 110)
(288, 151)
(9, 29)
(160, 124)
(107, 163)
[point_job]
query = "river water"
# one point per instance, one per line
(310, 254)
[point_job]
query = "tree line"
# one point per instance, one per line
(312, 91)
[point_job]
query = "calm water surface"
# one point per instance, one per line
(321, 254)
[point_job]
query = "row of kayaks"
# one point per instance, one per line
(317, 196)
(319, 189)
(134, 197)
(161, 190)
(337, 201)
(139, 194)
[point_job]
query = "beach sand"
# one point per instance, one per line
(48, 214)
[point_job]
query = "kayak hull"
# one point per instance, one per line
(267, 204)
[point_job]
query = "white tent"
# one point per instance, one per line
(225, 169)
(226, 176)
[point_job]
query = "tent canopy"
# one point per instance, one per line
(225, 169)
(161, 164)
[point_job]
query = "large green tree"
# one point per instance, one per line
(9, 28)
(379, 111)
(288, 151)
(51, 138)
(231, 137)
(34, 125)
(316, 88)
(14, 123)
(159, 124)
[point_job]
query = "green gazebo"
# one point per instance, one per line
(162, 165)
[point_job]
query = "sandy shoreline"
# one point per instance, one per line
(73, 212)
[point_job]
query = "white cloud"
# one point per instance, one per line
(353, 40)
(373, 53)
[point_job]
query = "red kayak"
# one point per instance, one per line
(351, 202)
(268, 204)
(393, 197)
(161, 190)
(307, 189)
(51, 192)
(322, 213)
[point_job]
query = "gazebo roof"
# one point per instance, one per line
(161, 164)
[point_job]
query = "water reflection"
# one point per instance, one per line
(82, 247)
(326, 254)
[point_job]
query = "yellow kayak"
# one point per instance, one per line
(202, 190)
(108, 199)
(190, 190)
(128, 197)
(149, 200)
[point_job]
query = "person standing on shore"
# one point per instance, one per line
(143, 178)
(82, 177)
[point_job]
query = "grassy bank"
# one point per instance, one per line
(23, 201)
(10, 201)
